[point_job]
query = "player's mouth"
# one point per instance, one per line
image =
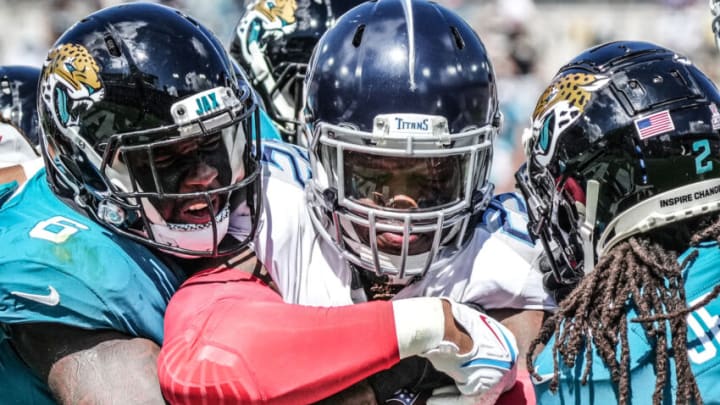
(392, 242)
(198, 211)
(391, 239)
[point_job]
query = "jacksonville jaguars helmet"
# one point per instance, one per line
(18, 119)
(401, 110)
(147, 128)
(625, 139)
(273, 42)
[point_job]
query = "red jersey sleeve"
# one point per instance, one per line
(229, 338)
(522, 393)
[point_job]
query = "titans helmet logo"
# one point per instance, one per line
(560, 105)
(70, 83)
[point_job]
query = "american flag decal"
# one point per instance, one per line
(654, 124)
(715, 118)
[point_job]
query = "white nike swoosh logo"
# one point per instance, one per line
(51, 300)
(543, 378)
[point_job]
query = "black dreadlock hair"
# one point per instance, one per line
(642, 273)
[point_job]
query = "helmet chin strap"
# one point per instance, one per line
(190, 237)
(587, 228)
(198, 239)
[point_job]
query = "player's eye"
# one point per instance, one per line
(165, 160)
(210, 143)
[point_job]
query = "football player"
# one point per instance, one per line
(147, 149)
(273, 41)
(398, 206)
(622, 181)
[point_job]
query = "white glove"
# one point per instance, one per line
(486, 371)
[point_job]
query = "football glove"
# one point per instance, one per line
(489, 368)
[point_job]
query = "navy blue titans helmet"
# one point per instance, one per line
(401, 112)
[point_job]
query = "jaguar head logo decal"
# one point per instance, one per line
(70, 83)
(560, 105)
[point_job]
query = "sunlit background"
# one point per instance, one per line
(527, 41)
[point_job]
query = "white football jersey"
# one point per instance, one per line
(497, 268)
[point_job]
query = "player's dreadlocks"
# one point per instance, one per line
(640, 273)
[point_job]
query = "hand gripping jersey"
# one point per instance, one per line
(61, 267)
(703, 346)
(496, 269)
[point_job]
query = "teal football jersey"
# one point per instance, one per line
(59, 266)
(19, 385)
(703, 345)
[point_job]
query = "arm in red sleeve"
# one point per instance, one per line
(228, 337)
(522, 393)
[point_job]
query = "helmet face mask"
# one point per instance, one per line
(400, 197)
(165, 169)
(182, 182)
(561, 216)
(624, 140)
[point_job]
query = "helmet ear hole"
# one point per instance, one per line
(357, 38)
(113, 48)
(459, 42)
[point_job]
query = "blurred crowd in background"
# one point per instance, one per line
(527, 40)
